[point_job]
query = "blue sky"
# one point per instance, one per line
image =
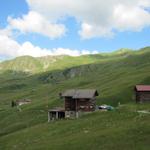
(45, 27)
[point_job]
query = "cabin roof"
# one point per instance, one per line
(142, 88)
(57, 109)
(80, 93)
(23, 100)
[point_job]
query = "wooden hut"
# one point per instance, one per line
(142, 93)
(56, 113)
(22, 102)
(79, 101)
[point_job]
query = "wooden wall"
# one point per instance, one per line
(86, 105)
(80, 104)
(142, 96)
(70, 104)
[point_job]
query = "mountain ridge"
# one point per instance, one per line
(33, 65)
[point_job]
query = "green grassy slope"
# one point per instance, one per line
(114, 75)
(119, 130)
(35, 65)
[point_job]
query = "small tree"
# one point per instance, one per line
(13, 103)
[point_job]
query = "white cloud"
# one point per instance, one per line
(11, 48)
(6, 31)
(8, 47)
(144, 3)
(130, 18)
(36, 23)
(90, 31)
(98, 18)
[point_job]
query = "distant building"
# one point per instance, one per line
(22, 102)
(76, 102)
(142, 93)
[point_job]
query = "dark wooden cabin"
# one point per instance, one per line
(78, 101)
(142, 93)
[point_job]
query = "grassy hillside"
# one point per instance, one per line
(113, 75)
(119, 130)
(35, 65)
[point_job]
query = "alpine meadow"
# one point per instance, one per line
(41, 79)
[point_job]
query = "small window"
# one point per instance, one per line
(82, 107)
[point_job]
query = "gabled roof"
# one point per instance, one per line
(142, 87)
(23, 100)
(80, 93)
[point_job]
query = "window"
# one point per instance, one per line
(82, 107)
